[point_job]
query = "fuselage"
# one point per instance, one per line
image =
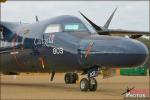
(65, 43)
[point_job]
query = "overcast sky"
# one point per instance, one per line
(131, 15)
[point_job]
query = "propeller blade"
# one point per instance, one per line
(97, 28)
(109, 20)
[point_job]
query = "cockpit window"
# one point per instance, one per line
(69, 27)
(53, 28)
(77, 27)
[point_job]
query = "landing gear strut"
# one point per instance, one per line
(89, 83)
(71, 78)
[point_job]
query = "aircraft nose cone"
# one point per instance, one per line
(137, 50)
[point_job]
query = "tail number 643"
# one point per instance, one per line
(57, 50)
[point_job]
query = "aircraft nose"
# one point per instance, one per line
(114, 51)
(137, 51)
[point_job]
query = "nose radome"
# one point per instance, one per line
(139, 50)
(136, 47)
(134, 52)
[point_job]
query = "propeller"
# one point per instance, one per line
(105, 31)
(101, 30)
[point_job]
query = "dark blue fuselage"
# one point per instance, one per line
(42, 49)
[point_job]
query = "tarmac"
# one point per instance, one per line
(39, 86)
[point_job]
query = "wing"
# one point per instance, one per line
(128, 32)
(131, 34)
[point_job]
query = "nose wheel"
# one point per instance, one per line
(84, 84)
(88, 84)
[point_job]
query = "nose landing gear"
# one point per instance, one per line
(90, 83)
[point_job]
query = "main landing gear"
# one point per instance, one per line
(90, 83)
(71, 78)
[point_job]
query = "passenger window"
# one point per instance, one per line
(53, 28)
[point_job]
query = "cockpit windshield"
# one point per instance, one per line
(78, 27)
(69, 24)
(74, 27)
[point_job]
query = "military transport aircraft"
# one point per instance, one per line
(68, 44)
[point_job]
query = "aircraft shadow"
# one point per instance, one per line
(60, 87)
(56, 86)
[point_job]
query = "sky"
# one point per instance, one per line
(131, 15)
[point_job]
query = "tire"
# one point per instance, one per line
(75, 77)
(93, 87)
(84, 84)
(71, 78)
(67, 78)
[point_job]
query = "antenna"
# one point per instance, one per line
(36, 18)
